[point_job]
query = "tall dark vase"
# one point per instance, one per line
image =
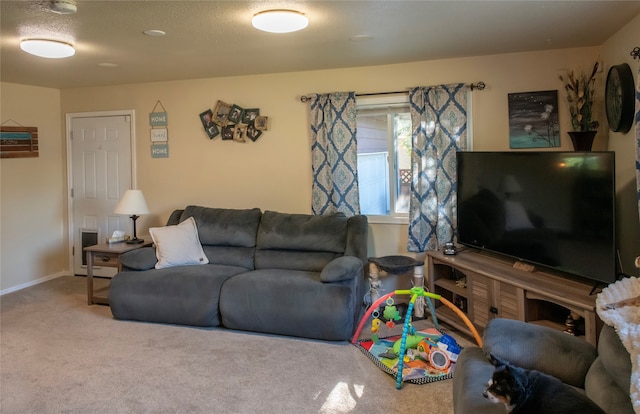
(582, 140)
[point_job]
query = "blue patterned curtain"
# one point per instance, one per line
(334, 153)
(439, 123)
(638, 138)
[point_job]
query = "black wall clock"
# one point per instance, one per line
(619, 98)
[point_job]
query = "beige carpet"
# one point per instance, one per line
(58, 355)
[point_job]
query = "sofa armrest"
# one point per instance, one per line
(143, 258)
(342, 268)
(545, 349)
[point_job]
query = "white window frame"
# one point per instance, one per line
(387, 101)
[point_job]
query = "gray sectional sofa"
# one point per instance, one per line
(603, 374)
(288, 274)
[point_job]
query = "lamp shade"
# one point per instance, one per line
(132, 203)
(510, 185)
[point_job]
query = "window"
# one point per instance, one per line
(384, 156)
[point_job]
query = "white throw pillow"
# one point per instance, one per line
(178, 245)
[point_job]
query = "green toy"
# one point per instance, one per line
(391, 313)
(412, 342)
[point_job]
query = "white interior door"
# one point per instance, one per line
(101, 171)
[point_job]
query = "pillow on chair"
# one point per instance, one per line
(178, 245)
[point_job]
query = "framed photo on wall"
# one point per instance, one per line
(228, 131)
(533, 120)
(235, 115)
(240, 133)
(252, 133)
(261, 123)
(250, 115)
(209, 126)
(221, 113)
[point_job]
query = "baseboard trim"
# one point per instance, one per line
(33, 283)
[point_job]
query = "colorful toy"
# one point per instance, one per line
(438, 357)
(391, 313)
(375, 325)
(412, 342)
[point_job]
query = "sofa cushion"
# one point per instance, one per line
(225, 227)
(185, 295)
(289, 302)
(143, 258)
(174, 218)
(545, 349)
(178, 245)
(229, 255)
(294, 260)
(611, 351)
(473, 371)
(300, 241)
(342, 268)
(282, 231)
(602, 389)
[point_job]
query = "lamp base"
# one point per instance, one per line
(135, 241)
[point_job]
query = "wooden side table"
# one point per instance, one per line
(107, 255)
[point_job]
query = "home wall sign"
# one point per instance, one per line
(18, 142)
(160, 150)
(233, 123)
(159, 135)
(159, 132)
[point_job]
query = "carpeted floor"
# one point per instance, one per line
(58, 355)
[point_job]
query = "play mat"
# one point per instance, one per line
(431, 355)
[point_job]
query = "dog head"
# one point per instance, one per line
(503, 387)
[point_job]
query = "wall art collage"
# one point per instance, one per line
(233, 123)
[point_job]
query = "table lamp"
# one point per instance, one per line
(132, 202)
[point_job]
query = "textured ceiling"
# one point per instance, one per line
(215, 38)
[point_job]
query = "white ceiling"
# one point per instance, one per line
(215, 38)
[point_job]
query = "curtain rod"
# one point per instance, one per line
(479, 86)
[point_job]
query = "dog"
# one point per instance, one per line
(525, 391)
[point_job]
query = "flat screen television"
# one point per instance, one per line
(555, 209)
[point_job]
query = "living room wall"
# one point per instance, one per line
(275, 171)
(33, 231)
(615, 51)
(272, 173)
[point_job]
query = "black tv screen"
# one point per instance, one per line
(555, 209)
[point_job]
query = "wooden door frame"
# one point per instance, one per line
(134, 184)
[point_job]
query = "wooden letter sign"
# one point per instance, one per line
(18, 142)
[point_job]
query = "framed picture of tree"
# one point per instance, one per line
(533, 120)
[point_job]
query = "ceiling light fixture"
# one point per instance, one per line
(63, 6)
(280, 21)
(155, 32)
(52, 49)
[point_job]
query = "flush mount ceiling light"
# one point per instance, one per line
(52, 49)
(280, 21)
(63, 6)
(155, 33)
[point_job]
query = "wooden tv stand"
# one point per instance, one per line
(490, 287)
